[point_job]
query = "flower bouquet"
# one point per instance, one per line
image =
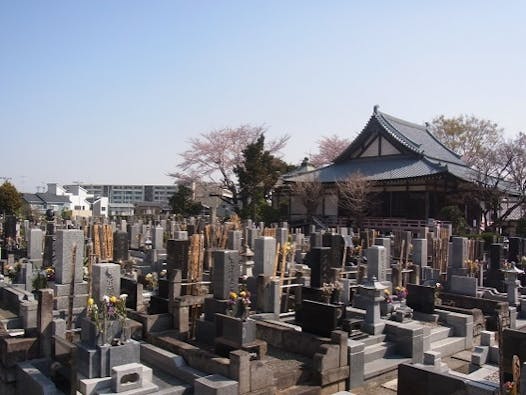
(239, 304)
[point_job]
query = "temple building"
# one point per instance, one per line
(413, 175)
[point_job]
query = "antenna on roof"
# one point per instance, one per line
(375, 108)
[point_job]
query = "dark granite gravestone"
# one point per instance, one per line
(120, 246)
(421, 298)
(336, 244)
(177, 256)
(10, 227)
(163, 288)
(494, 276)
(495, 256)
(415, 381)
(318, 261)
(319, 318)
(226, 273)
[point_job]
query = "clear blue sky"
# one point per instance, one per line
(110, 91)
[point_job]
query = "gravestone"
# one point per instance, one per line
(67, 241)
(10, 226)
(157, 237)
(282, 236)
(421, 298)
(34, 250)
(234, 240)
(336, 244)
(376, 262)
(177, 256)
(463, 285)
(264, 255)
(318, 261)
(252, 233)
(120, 246)
(386, 243)
(134, 235)
(106, 280)
(420, 252)
(372, 294)
(319, 318)
(459, 256)
(180, 235)
(226, 273)
(316, 240)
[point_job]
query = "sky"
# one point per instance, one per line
(111, 91)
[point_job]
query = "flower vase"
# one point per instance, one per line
(125, 331)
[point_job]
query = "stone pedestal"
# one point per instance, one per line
(373, 294)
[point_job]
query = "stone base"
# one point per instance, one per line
(62, 302)
(97, 361)
(224, 346)
(205, 332)
(104, 385)
(64, 289)
(215, 384)
(373, 329)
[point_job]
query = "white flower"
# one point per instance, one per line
(106, 298)
(123, 296)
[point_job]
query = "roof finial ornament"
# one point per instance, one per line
(375, 108)
(427, 124)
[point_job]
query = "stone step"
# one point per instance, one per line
(440, 333)
(383, 365)
(449, 346)
(170, 363)
(300, 390)
(377, 351)
(370, 340)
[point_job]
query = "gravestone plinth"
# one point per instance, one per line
(319, 318)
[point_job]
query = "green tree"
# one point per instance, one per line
(257, 174)
(10, 198)
(181, 202)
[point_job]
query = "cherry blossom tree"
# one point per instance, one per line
(328, 149)
(213, 156)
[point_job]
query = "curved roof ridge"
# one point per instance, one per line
(399, 136)
(442, 144)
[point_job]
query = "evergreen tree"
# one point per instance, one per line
(257, 175)
(181, 202)
(10, 199)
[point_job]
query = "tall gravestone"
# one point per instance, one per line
(264, 255)
(120, 246)
(157, 237)
(386, 243)
(226, 273)
(335, 243)
(134, 234)
(234, 240)
(10, 227)
(459, 255)
(318, 260)
(376, 262)
(34, 250)
(69, 241)
(494, 275)
(69, 269)
(177, 256)
(420, 252)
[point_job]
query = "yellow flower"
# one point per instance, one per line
(242, 294)
(113, 299)
(233, 295)
(90, 301)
